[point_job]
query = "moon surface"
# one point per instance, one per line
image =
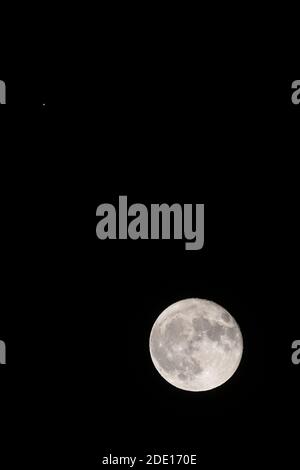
(196, 345)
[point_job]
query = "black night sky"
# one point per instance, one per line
(79, 369)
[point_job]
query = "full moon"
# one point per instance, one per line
(196, 345)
